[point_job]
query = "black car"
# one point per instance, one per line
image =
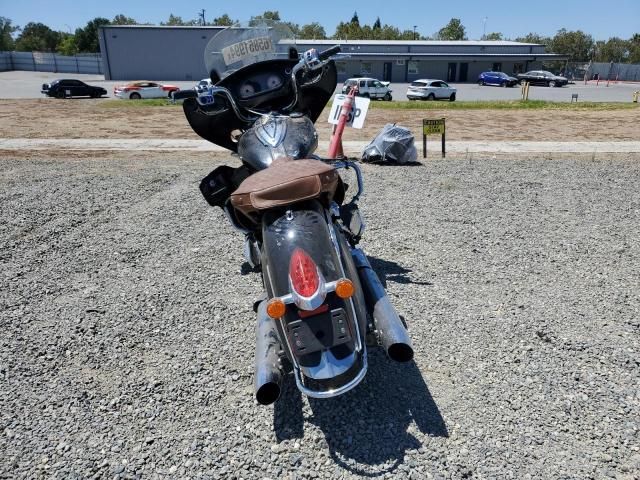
(66, 88)
(542, 77)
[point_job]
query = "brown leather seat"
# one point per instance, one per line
(285, 182)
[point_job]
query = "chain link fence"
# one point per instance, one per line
(51, 62)
(581, 71)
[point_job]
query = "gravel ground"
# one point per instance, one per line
(127, 329)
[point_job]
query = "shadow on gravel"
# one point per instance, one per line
(391, 271)
(367, 429)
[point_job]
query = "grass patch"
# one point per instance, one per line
(143, 103)
(502, 105)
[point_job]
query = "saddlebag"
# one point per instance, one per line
(220, 183)
(286, 182)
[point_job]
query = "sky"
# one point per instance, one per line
(513, 18)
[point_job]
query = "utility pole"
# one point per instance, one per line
(414, 31)
(203, 22)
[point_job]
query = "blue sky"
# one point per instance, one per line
(602, 19)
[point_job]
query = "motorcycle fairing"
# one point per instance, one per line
(218, 121)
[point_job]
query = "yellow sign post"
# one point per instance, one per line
(433, 127)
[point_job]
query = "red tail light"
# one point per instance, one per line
(304, 273)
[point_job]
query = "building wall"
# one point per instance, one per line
(177, 53)
(155, 53)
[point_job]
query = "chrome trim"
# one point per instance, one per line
(292, 297)
(271, 130)
(329, 366)
(337, 391)
(346, 165)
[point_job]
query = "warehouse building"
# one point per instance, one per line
(133, 52)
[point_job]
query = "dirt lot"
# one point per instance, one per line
(81, 118)
(128, 337)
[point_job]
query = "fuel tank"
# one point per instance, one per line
(275, 137)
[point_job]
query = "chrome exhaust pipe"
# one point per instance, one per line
(268, 374)
(393, 335)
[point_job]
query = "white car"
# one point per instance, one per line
(368, 87)
(429, 89)
(144, 89)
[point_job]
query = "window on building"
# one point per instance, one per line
(412, 66)
(341, 67)
(497, 67)
(518, 68)
(365, 68)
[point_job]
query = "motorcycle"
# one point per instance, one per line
(323, 304)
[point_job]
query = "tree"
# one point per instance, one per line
(454, 30)
(313, 31)
(634, 48)
(224, 21)
(37, 37)
(176, 21)
(348, 31)
(67, 45)
(87, 37)
(613, 50)
(493, 36)
(377, 25)
(355, 20)
(269, 16)
(121, 19)
(534, 38)
(6, 34)
(577, 45)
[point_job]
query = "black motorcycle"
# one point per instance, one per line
(323, 303)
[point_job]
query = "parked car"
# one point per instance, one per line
(67, 87)
(497, 78)
(429, 89)
(542, 77)
(203, 85)
(144, 89)
(368, 87)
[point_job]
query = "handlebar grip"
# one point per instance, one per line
(329, 52)
(182, 94)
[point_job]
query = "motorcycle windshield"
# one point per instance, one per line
(241, 45)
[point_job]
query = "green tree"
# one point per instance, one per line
(67, 45)
(224, 21)
(37, 37)
(534, 38)
(6, 34)
(377, 25)
(176, 21)
(634, 48)
(613, 50)
(493, 36)
(577, 45)
(348, 31)
(454, 30)
(313, 31)
(121, 19)
(355, 20)
(87, 38)
(269, 16)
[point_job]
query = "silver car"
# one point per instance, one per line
(429, 89)
(368, 87)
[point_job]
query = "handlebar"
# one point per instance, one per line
(310, 60)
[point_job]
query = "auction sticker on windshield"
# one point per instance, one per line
(247, 48)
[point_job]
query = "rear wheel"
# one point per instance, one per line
(452, 98)
(135, 96)
(552, 83)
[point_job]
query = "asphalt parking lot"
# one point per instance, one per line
(19, 84)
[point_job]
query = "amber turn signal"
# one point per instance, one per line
(344, 288)
(276, 308)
